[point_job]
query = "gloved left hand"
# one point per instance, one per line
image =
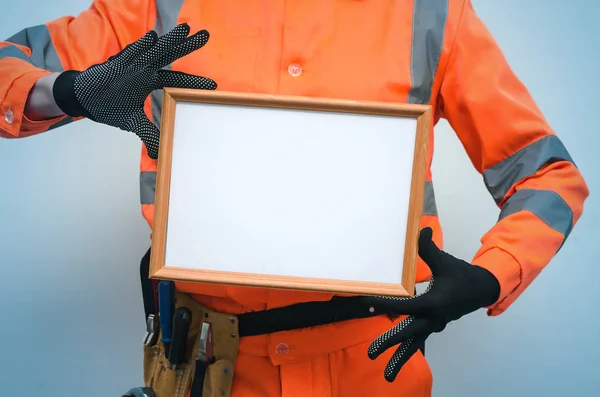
(455, 289)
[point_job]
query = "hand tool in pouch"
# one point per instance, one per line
(148, 287)
(151, 331)
(166, 306)
(203, 360)
(181, 327)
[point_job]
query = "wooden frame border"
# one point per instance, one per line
(171, 96)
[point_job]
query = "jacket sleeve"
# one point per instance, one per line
(525, 166)
(69, 42)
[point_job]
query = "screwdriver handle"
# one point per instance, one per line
(166, 305)
(182, 320)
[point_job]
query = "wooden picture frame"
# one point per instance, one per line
(197, 103)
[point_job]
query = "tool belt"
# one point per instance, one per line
(167, 381)
(213, 377)
(227, 329)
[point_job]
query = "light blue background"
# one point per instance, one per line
(70, 221)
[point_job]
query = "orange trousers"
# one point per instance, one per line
(347, 372)
(325, 361)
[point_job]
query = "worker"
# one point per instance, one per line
(109, 63)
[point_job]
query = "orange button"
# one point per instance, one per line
(9, 116)
(282, 349)
(295, 70)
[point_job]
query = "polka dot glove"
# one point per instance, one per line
(114, 92)
(455, 289)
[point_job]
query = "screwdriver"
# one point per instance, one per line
(166, 305)
(203, 359)
(181, 326)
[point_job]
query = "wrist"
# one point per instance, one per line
(63, 92)
(489, 285)
(507, 271)
(40, 104)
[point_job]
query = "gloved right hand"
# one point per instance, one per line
(114, 92)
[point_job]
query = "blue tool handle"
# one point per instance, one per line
(166, 305)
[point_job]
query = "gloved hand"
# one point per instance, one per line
(114, 92)
(455, 289)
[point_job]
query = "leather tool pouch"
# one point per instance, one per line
(167, 382)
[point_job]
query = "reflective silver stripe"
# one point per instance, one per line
(43, 53)
(167, 12)
(526, 162)
(429, 207)
(545, 204)
(11, 51)
(156, 106)
(429, 25)
(147, 187)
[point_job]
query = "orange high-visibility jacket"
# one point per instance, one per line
(434, 52)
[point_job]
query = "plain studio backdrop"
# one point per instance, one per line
(72, 235)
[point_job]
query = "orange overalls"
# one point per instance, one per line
(424, 51)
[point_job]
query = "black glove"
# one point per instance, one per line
(114, 92)
(455, 289)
